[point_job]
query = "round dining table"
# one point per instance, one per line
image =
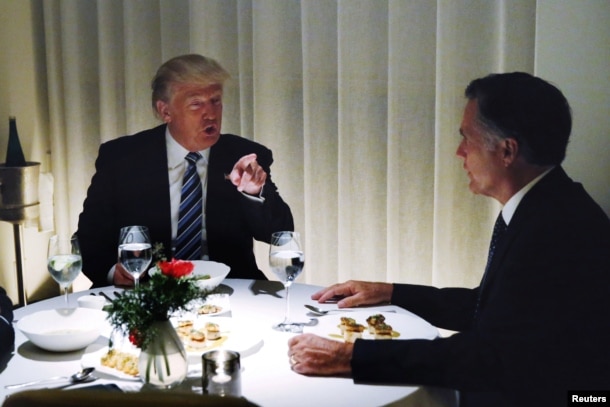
(267, 379)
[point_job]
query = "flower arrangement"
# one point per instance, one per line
(168, 290)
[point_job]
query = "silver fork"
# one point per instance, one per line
(103, 294)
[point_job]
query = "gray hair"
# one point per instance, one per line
(525, 108)
(492, 135)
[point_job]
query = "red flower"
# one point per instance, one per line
(176, 268)
(135, 338)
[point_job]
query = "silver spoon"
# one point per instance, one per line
(74, 382)
(320, 311)
(81, 376)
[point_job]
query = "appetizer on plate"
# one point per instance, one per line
(122, 361)
(197, 335)
(213, 331)
(383, 331)
(209, 309)
(345, 321)
(373, 321)
(376, 328)
(352, 332)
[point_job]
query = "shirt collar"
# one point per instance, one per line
(511, 205)
(176, 153)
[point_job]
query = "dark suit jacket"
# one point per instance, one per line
(543, 325)
(7, 333)
(131, 187)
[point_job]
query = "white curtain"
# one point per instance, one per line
(360, 101)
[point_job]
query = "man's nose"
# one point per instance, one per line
(207, 112)
(460, 150)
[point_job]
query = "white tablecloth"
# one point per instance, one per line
(266, 377)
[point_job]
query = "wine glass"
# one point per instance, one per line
(64, 261)
(135, 250)
(286, 259)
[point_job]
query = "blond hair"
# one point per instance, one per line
(190, 68)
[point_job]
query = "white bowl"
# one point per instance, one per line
(91, 301)
(63, 330)
(216, 271)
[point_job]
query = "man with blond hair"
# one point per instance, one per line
(140, 180)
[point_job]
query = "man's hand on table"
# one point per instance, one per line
(356, 293)
(310, 354)
(313, 355)
(122, 277)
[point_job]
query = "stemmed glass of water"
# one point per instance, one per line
(135, 250)
(286, 259)
(64, 261)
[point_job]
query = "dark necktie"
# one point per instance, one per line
(499, 229)
(188, 237)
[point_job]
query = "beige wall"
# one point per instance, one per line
(571, 50)
(22, 94)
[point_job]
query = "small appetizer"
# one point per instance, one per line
(196, 339)
(213, 331)
(344, 322)
(383, 331)
(184, 328)
(185, 323)
(373, 321)
(352, 332)
(121, 361)
(209, 309)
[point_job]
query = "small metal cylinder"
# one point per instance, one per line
(19, 204)
(19, 193)
(221, 373)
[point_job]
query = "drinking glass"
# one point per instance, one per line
(64, 261)
(286, 259)
(135, 250)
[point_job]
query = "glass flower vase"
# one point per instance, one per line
(163, 364)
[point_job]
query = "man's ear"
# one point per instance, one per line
(510, 151)
(163, 111)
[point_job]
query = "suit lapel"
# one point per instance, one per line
(530, 206)
(154, 163)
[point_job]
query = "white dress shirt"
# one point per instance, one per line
(176, 167)
(511, 205)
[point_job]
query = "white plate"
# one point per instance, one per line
(93, 358)
(405, 326)
(221, 302)
(234, 336)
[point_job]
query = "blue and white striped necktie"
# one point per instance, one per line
(188, 237)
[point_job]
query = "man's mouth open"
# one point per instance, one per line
(210, 130)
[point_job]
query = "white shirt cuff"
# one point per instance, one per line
(258, 198)
(110, 275)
